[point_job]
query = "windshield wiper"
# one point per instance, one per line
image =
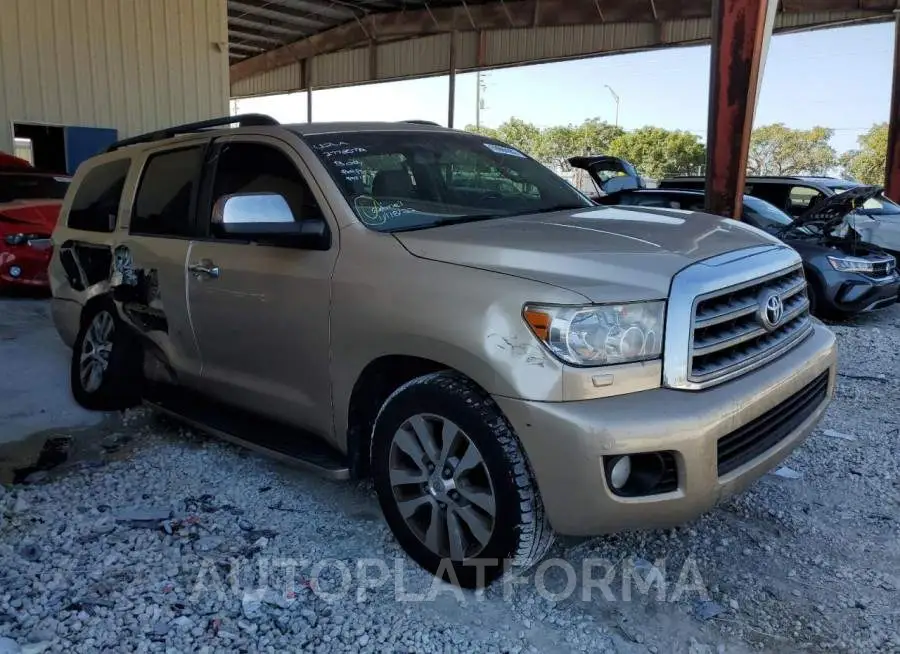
(557, 207)
(455, 220)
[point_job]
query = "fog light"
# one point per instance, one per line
(14, 271)
(620, 472)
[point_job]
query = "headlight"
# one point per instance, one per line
(600, 335)
(21, 239)
(852, 264)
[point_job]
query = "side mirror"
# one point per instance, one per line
(267, 218)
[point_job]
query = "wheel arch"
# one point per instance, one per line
(375, 383)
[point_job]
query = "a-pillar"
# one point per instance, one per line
(741, 30)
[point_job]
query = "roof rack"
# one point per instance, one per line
(242, 120)
(422, 122)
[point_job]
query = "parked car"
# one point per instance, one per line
(505, 359)
(844, 276)
(30, 201)
(877, 221)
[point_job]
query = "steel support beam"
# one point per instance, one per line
(741, 30)
(306, 83)
(892, 168)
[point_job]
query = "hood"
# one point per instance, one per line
(833, 208)
(33, 214)
(607, 254)
(610, 174)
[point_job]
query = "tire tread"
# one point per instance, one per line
(535, 536)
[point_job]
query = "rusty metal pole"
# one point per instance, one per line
(305, 83)
(892, 167)
(741, 30)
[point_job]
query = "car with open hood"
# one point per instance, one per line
(877, 220)
(437, 311)
(30, 201)
(846, 276)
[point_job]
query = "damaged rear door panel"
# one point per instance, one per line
(149, 274)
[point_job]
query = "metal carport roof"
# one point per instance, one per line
(277, 46)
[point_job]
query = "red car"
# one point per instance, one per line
(30, 201)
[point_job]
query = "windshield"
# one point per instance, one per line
(764, 215)
(32, 187)
(877, 206)
(400, 180)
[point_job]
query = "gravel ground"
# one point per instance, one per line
(159, 539)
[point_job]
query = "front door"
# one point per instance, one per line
(261, 310)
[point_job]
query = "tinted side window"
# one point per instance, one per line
(259, 169)
(163, 203)
(773, 193)
(96, 202)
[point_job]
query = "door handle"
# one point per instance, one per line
(204, 268)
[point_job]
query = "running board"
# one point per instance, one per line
(289, 445)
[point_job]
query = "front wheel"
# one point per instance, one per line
(106, 361)
(454, 483)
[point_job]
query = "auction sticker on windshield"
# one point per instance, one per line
(500, 149)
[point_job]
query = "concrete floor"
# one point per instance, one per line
(34, 374)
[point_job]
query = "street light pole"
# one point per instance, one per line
(480, 88)
(616, 98)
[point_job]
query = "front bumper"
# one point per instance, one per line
(566, 441)
(31, 265)
(856, 293)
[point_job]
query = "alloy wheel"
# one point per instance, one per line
(95, 351)
(442, 486)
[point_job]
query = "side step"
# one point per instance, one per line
(274, 439)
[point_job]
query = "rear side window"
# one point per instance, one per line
(165, 195)
(96, 202)
(772, 192)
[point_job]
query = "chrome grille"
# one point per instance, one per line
(730, 334)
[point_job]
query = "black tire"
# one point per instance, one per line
(120, 384)
(521, 534)
(812, 294)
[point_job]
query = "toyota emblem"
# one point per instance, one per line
(771, 310)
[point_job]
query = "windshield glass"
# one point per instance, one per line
(400, 180)
(764, 215)
(32, 187)
(877, 206)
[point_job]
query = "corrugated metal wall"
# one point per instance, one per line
(430, 55)
(134, 65)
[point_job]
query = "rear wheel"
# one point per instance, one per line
(454, 483)
(106, 361)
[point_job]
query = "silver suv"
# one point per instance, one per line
(438, 311)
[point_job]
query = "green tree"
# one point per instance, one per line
(554, 145)
(593, 136)
(867, 164)
(658, 152)
(779, 150)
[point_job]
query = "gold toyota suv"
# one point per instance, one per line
(438, 311)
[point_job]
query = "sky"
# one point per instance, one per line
(838, 78)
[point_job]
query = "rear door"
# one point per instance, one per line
(149, 263)
(261, 309)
